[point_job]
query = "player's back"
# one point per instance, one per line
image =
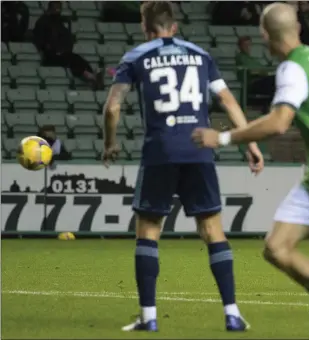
(172, 78)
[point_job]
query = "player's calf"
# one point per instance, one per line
(221, 263)
(280, 250)
(146, 271)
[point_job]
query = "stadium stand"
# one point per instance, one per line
(33, 95)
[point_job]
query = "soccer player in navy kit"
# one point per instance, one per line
(173, 78)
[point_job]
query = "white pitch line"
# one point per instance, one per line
(164, 298)
(257, 294)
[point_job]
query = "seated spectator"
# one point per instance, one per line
(240, 13)
(124, 11)
(55, 41)
(250, 13)
(48, 132)
(259, 80)
(303, 18)
(14, 21)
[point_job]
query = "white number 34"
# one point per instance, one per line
(189, 90)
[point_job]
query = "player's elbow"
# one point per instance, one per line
(280, 128)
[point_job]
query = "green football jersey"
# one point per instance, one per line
(292, 81)
(300, 55)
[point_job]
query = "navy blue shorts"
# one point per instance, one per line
(196, 185)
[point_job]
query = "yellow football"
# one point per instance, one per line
(34, 153)
(66, 236)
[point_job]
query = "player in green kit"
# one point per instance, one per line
(280, 30)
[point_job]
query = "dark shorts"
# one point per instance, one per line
(196, 185)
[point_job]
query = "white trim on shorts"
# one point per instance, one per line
(295, 207)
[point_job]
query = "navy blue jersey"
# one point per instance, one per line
(172, 78)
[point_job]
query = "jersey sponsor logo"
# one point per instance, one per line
(172, 120)
(172, 49)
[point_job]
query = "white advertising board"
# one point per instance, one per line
(91, 198)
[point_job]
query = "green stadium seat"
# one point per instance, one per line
(134, 124)
(84, 149)
(4, 127)
(111, 53)
(85, 29)
(11, 145)
(196, 33)
(5, 53)
(135, 32)
(230, 153)
(54, 77)
(5, 78)
(56, 119)
(133, 148)
(82, 100)
(21, 122)
(4, 102)
(98, 145)
(112, 31)
(87, 50)
(84, 9)
(231, 78)
(252, 31)
(24, 52)
(24, 75)
(224, 54)
(52, 99)
(34, 8)
(223, 34)
(23, 99)
(132, 101)
(195, 10)
(70, 144)
(82, 124)
(101, 97)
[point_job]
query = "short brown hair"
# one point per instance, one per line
(157, 14)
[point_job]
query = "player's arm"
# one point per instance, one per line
(219, 88)
(232, 107)
(292, 90)
(111, 111)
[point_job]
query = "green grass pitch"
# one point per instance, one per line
(85, 289)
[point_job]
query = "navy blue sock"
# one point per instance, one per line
(146, 271)
(221, 263)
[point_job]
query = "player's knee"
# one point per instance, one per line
(276, 252)
(148, 226)
(210, 228)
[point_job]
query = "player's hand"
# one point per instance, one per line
(255, 158)
(110, 154)
(205, 138)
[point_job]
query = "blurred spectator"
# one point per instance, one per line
(55, 41)
(244, 57)
(303, 18)
(250, 13)
(259, 80)
(124, 11)
(14, 21)
(48, 132)
(236, 13)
